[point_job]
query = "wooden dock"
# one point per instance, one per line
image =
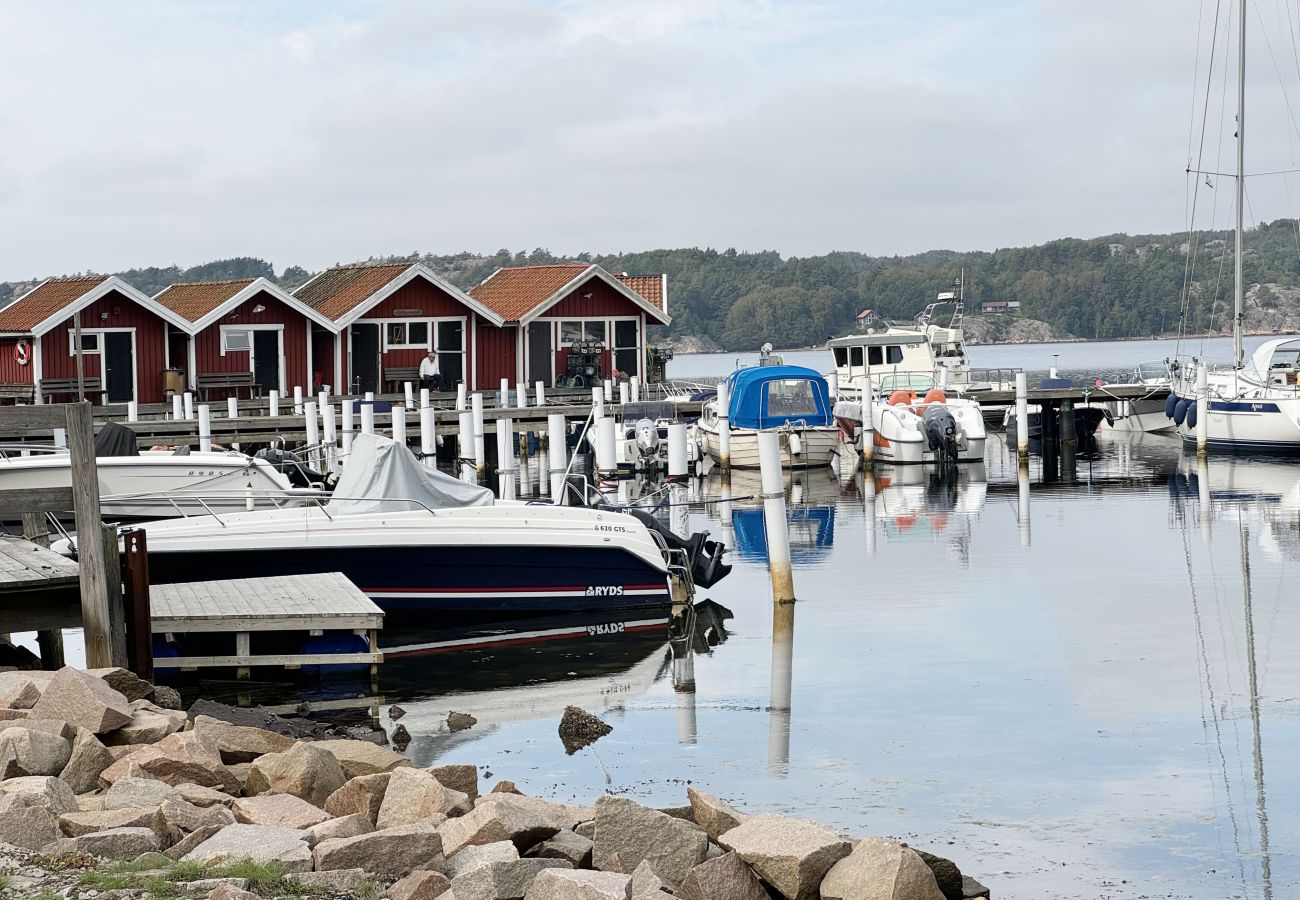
(39, 589)
(242, 607)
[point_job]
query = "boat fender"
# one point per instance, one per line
(796, 445)
(1191, 414)
(1170, 402)
(1180, 411)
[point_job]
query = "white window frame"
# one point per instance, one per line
(561, 344)
(237, 329)
(96, 333)
(422, 345)
(431, 340)
(637, 346)
(103, 358)
(281, 367)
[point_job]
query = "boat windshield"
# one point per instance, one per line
(912, 381)
(791, 397)
(1153, 370)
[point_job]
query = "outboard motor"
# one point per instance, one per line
(647, 438)
(941, 432)
(704, 555)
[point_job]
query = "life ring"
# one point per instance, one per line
(22, 353)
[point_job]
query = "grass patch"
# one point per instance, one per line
(369, 890)
(5, 881)
(266, 878)
(188, 870)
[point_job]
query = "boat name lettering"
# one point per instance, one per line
(620, 529)
(202, 472)
(611, 628)
(605, 590)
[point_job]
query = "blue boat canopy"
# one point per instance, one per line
(770, 396)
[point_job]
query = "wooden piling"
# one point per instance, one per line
(139, 625)
(95, 607)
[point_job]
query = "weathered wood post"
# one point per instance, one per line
(96, 606)
(139, 627)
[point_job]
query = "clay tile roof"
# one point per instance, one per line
(513, 293)
(39, 304)
(335, 292)
(649, 286)
(194, 301)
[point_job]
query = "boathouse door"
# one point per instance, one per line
(266, 360)
(541, 366)
(119, 366)
(365, 357)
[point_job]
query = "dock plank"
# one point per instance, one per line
(324, 601)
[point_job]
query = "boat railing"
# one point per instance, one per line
(999, 378)
(19, 451)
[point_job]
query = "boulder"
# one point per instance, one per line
(44, 791)
(792, 855)
(203, 796)
(83, 700)
(413, 795)
(880, 869)
(498, 817)
(147, 726)
(972, 889)
(475, 855)
(647, 885)
(392, 852)
(230, 892)
(278, 809)
(190, 841)
(586, 828)
(26, 826)
(27, 752)
(570, 884)
(111, 843)
(628, 833)
(87, 761)
(303, 770)
(505, 786)
(946, 874)
(167, 697)
(261, 843)
(713, 815)
(565, 845)
(182, 758)
(342, 827)
(561, 815)
(128, 684)
(49, 726)
(502, 880)
(343, 881)
(22, 695)
(578, 728)
(724, 878)
(241, 743)
(419, 886)
(187, 817)
(362, 757)
(75, 824)
(135, 792)
(463, 778)
(363, 795)
(13, 715)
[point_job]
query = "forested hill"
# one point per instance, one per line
(1106, 287)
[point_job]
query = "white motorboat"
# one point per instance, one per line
(792, 400)
(914, 422)
(1141, 414)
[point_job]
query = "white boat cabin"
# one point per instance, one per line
(894, 355)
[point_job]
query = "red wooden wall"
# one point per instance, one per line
(495, 354)
(121, 312)
(431, 302)
(207, 343)
(10, 371)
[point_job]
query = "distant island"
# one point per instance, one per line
(1115, 286)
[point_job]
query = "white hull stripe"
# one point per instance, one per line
(518, 637)
(496, 595)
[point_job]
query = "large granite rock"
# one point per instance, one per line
(502, 880)
(147, 726)
(83, 700)
(475, 855)
(342, 827)
(87, 761)
(126, 793)
(185, 757)
(414, 795)
(567, 845)
(49, 726)
(946, 874)
(362, 757)
(725, 878)
(571, 884)
(128, 684)
(25, 825)
(27, 752)
(628, 833)
(203, 796)
(363, 795)
(241, 743)
(22, 694)
(792, 855)
(44, 791)
(419, 886)
(111, 843)
(647, 885)
(392, 852)
(712, 814)
(561, 815)
(463, 778)
(303, 770)
(187, 817)
(261, 843)
(75, 824)
(880, 869)
(498, 817)
(182, 847)
(278, 809)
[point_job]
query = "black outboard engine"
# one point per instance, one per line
(288, 463)
(704, 555)
(940, 432)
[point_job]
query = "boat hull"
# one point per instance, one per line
(1266, 425)
(820, 446)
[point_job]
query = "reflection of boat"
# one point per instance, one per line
(1141, 414)
(810, 514)
(1087, 419)
(928, 503)
(791, 400)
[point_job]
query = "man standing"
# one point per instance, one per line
(429, 375)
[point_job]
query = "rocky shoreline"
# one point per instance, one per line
(108, 795)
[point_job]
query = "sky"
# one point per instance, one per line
(309, 133)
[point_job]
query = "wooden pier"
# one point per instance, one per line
(39, 589)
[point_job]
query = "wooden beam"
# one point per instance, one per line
(95, 609)
(51, 416)
(17, 502)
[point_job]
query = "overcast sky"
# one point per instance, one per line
(149, 133)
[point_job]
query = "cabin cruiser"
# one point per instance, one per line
(915, 422)
(423, 544)
(792, 400)
(135, 484)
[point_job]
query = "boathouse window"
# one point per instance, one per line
(791, 398)
(235, 341)
(89, 342)
(451, 350)
(590, 330)
(874, 356)
(627, 351)
(405, 335)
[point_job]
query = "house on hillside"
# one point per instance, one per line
(123, 341)
(1000, 306)
(550, 307)
(248, 326)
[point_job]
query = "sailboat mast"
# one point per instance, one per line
(1241, 185)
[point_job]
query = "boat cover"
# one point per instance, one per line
(770, 396)
(116, 440)
(382, 476)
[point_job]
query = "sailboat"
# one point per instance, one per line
(1255, 405)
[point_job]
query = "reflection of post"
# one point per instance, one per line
(1022, 509)
(1203, 495)
(783, 600)
(679, 514)
(724, 513)
(1252, 674)
(684, 688)
(869, 510)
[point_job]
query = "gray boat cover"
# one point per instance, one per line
(380, 475)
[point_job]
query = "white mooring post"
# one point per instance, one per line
(424, 397)
(232, 408)
(1022, 416)
(370, 396)
(623, 393)
(1202, 411)
(399, 424)
(428, 432)
(205, 428)
(367, 418)
(178, 408)
(480, 438)
(609, 390)
(273, 403)
(557, 453)
(598, 402)
(297, 400)
(132, 411)
(677, 461)
(634, 387)
(724, 429)
(606, 452)
(943, 378)
(189, 405)
(311, 430)
(349, 409)
(505, 478)
(461, 399)
(465, 448)
(868, 424)
(330, 436)
(783, 600)
(61, 438)
(503, 395)
(539, 393)
(521, 395)
(408, 390)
